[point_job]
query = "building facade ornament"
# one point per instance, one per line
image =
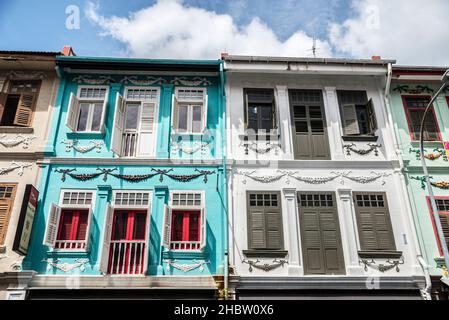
(194, 82)
(74, 144)
(436, 154)
(197, 264)
(266, 266)
(261, 178)
(148, 81)
(365, 179)
(93, 81)
(315, 180)
(177, 146)
(15, 166)
(382, 267)
(371, 147)
(264, 149)
(17, 140)
(25, 75)
(66, 267)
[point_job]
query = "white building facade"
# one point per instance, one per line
(317, 201)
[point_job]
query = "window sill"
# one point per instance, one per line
(192, 136)
(360, 138)
(67, 253)
(11, 129)
(429, 144)
(380, 254)
(265, 253)
(187, 254)
(85, 135)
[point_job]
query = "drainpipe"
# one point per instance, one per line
(426, 291)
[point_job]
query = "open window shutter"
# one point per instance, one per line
(51, 231)
(117, 130)
(146, 134)
(3, 97)
(203, 228)
(174, 113)
(89, 224)
(106, 240)
(351, 125)
(246, 111)
(372, 116)
(167, 227)
(72, 112)
(105, 106)
(5, 207)
(147, 240)
(256, 229)
(24, 111)
(205, 109)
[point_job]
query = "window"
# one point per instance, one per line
(414, 109)
(131, 198)
(135, 121)
(373, 221)
(17, 106)
(443, 212)
(264, 221)
(86, 111)
(357, 112)
(260, 110)
(68, 223)
(7, 195)
(185, 221)
(189, 112)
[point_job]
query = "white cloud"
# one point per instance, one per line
(171, 29)
(410, 31)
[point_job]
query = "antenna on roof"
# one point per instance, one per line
(314, 47)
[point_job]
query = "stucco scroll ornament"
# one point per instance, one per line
(315, 180)
(25, 75)
(197, 264)
(196, 81)
(365, 179)
(444, 185)
(266, 266)
(95, 81)
(74, 144)
(260, 178)
(143, 82)
(254, 146)
(197, 146)
(438, 153)
(19, 139)
(14, 166)
(372, 147)
(382, 267)
(66, 267)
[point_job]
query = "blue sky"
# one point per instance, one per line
(204, 29)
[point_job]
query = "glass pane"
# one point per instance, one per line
(300, 111)
(315, 112)
(362, 118)
(317, 126)
(82, 119)
(132, 116)
(96, 117)
(196, 119)
(182, 118)
(178, 218)
(194, 227)
(301, 127)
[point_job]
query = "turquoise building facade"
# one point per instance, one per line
(133, 185)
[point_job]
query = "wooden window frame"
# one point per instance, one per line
(407, 116)
(92, 102)
(11, 200)
(189, 103)
(186, 223)
(274, 110)
(75, 223)
(133, 206)
(432, 219)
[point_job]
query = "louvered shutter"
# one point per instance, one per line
(256, 228)
(24, 111)
(350, 123)
(5, 207)
(174, 113)
(105, 105)
(371, 116)
(117, 130)
(146, 132)
(167, 227)
(147, 240)
(203, 229)
(51, 231)
(312, 241)
(104, 260)
(89, 225)
(205, 109)
(274, 229)
(3, 97)
(444, 218)
(72, 112)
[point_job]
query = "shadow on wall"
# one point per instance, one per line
(155, 246)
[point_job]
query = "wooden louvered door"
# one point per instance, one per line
(7, 195)
(24, 113)
(320, 233)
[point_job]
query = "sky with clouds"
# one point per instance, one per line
(410, 31)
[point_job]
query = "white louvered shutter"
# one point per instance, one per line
(205, 109)
(203, 229)
(72, 112)
(106, 240)
(117, 130)
(51, 231)
(146, 132)
(167, 227)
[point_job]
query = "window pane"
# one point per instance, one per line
(266, 118)
(301, 127)
(132, 115)
(178, 218)
(65, 225)
(196, 117)
(96, 117)
(82, 119)
(362, 118)
(317, 126)
(315, 112)
(182, 118)
(194, 226)
(300, 112)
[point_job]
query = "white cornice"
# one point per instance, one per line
(132, 162)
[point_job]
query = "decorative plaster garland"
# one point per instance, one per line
(148, 80)
(197, 146)
(262, 179)
(66, 267)
(315, 180)
(366, 179)
(143, 82)
(372, 147)
(19, 139)
(417, 90)
(390, 264)
(95, 81)
(254, 146)
(440, 184)
(13, 166)
(73, 144)
(196, 81)
(25, 75)
(266, 266)
(186, 267)
(438, 153)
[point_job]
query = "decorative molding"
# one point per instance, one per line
(372, 147)
(194, 82)
(134, 177)
(13, 166)
(25, 75)
(437, 153)
(262, 179)
(73, 144)
(19, 139)
(444, 185)
(266, 266)
(365, 179)
(197, 146)
(382, 267)
(197, 264)
(16, 267)
(416, 90)
(254, 146)
(93, 81)
(315, 180)
(66, 267)
(148, 81)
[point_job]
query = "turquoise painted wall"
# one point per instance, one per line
(438, 170)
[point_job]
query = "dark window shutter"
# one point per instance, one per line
(5, 210)
(274, 229)
(256, 228)
(24, 111)
(444, 218)
(3, 97)
(372, 116)
(312, 244)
